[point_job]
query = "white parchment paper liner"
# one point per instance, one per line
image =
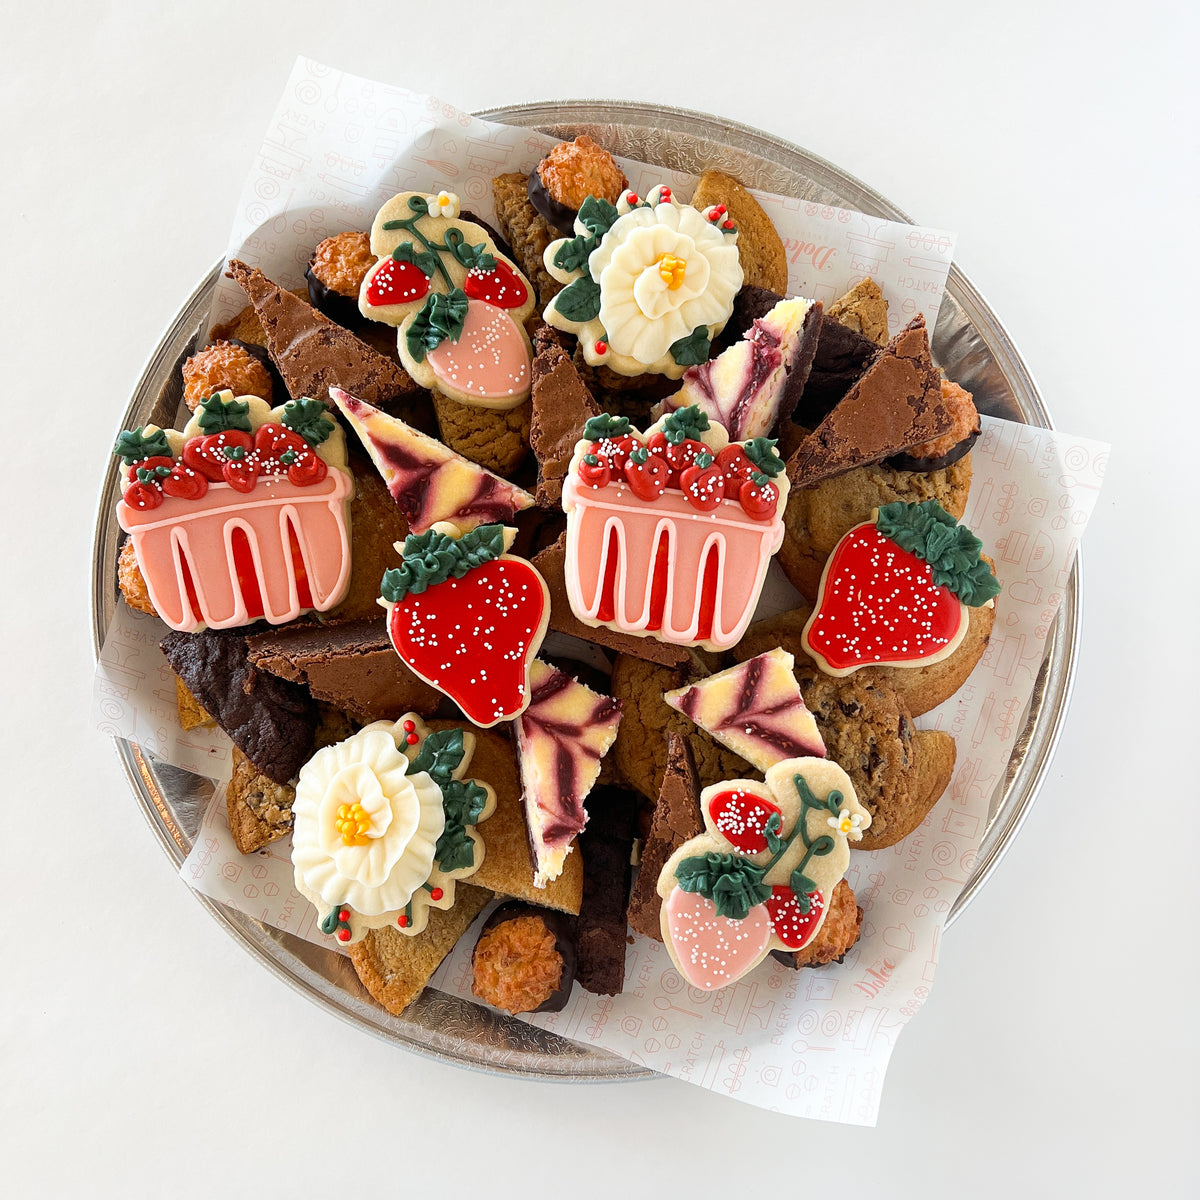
(811, 1043)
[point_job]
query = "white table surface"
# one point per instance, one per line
(142, 1052)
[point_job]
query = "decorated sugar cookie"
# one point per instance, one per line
(385, 824)
(241, 516)
(896, 590)
(669, 533)
(460, 305)
(762, 875)
(468, 618)
(650, 282)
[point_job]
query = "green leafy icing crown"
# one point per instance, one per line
(442, 316)
(431, 558)
(463, 800)
(951, 550)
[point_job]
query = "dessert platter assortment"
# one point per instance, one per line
(462, 547)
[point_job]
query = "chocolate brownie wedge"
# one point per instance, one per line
(312, 353)
(676, 820)
(606, 845)
(562, 405)
(351, 666)
(271, 720)
(896, 404)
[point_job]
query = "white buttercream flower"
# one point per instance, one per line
(444, 204)
(365, 829)
(662, 272)
(848, 824)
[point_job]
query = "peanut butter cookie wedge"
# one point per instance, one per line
(863, 309)
(498, 440)
(395, 967)
(764, 260)
(526, 231)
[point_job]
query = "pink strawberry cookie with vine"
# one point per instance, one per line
(761, 876)
(458, 304)
(896, 591)
(468, 618)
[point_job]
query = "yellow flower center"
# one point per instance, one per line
(353, 823)
(672, 270)
(845, 825)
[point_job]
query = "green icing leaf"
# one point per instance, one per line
(441, 317)
(580, 302)
(573, 254)
(802, 885)
(685, 423)
(329, 923)
(691, 350)
(761, 452)
(132, 445)
(605, 425)
(455, 849)
(734, 884)
(463, 800)
(951, 550)
(427, 260)
(309, 419)
(597, 216)
(479, 546)
(217, 415)
(439, 755)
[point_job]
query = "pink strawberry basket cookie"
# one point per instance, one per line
(242, 515)
(670, 533)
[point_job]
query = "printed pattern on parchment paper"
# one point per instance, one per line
(134, 698)
(338, 146)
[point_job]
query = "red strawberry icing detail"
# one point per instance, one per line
(703, 484)
(500, 287)
(142, 496)
(683, 455)
(647, 474)
(473, 637)
(308, 470)
(185, 484)
(741, 819)
(737, 468)
(242, 473)
(274, 441)
(206, 452)
(397, 283)
(759, 497)
(597, 472)
(791, 926)
(878, 604)
(616, 450)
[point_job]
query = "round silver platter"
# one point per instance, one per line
(970, 343)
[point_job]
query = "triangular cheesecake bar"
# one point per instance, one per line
(427, 479)
(561, 738)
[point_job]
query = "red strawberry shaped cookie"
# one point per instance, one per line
(896, 590)
(242, 515)
(760, 875)
(468, 618)
(670, 533)
(459, 304)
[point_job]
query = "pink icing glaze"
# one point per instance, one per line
(490, 359)
(743, 546)
(200, 533)
(714, 951)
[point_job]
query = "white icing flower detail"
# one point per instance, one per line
(365, 829)
(444, 204)
(848, 824)
(662, 272)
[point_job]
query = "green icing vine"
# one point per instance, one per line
(605, 425)
(216, 415)
(951, 550)
(761, 452)
(332, 923)
(694, 349)
(309, 419)
(133, 445)
(441, 316)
